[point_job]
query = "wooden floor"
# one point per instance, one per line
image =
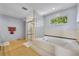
(16, 48)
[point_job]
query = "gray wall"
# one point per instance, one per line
(6, 21)
(43, 25)
(78, 22)
(78, 16)
(70, 13)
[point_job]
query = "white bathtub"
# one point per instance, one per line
(71, 44)
(59, 46)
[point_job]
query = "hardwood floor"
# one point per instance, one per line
(16, 48)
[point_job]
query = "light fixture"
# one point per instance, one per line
(53, 8)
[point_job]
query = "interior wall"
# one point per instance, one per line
(78, 22)
(66, 30)
(5, 22)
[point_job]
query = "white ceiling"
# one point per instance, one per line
(15, 10)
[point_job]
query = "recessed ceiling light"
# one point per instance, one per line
(53, 8)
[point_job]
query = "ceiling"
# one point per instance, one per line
(15, 9)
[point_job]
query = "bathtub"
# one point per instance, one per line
(56, 46)
(70, 44)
